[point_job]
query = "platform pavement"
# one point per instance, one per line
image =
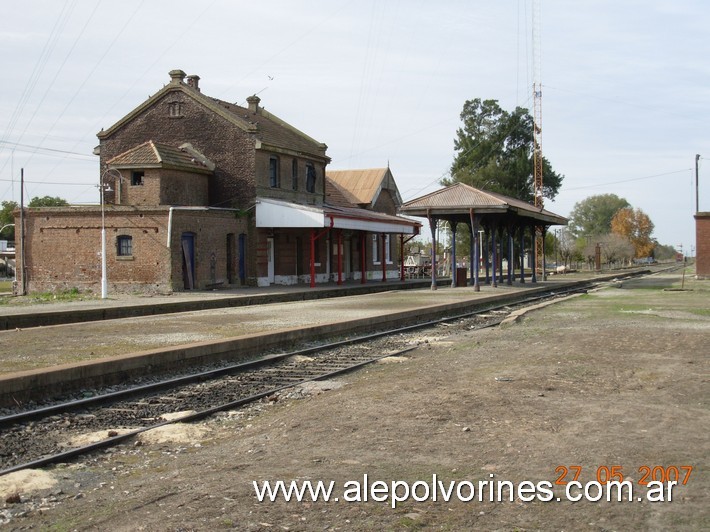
(76, 355)
(24, 313)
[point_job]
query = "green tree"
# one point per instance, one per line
(592, 216)
(494, 152)
(6, 218)
(48, 201)
(664, 252)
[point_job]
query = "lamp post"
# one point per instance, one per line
(102, 190)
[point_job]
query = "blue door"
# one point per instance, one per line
(242, 258)
(188, 260)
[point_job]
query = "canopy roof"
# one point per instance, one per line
(460, 201)
(277, 213)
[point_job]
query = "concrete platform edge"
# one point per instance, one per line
(23, 386)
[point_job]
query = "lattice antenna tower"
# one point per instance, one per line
(537, 130)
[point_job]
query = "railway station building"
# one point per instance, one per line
(199, 193)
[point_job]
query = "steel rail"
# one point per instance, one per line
(114, 440)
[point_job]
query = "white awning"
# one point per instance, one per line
(276, 213)
(372, 226)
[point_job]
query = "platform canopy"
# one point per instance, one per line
(276, 213)
(459, 201)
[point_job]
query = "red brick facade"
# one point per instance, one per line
(182, 175)
(63, 248)
(702, 245)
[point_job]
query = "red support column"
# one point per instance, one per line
(401, 257)
(313, 258)
(340, 256)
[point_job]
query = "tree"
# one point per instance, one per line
(637, 227)
(593, 215)
(48, 201)
(495, 152)
(6, 218)
(664, 252)
(615, 248)
(565, 246)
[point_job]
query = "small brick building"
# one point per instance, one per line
(702, 245)
(199, 193)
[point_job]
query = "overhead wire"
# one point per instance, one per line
(38, 69)
(50, 85)
(627, 180)
(119, 33)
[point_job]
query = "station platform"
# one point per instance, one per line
(170, 332)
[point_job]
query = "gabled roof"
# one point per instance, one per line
(155, 155)
(265, 127)
(366, 185)
(337, 195)
(273, 131)
(460, 198)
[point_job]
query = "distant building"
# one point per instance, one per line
(199, 193)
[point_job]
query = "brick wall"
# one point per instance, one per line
(210, 230)
(702, 244)
(64, 244)
(162, 187)
(232, 150)
(385, 203)
(63, 249)
(285, 191)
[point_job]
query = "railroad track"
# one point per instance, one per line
(47, 435)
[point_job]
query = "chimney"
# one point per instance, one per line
(194, 82)
(177, 76)
(253, 102)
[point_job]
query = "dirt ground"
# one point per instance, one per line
(618, 377)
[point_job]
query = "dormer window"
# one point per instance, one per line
(175, 109)
(137, 177)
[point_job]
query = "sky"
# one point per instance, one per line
(625, 86)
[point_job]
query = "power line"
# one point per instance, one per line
(40, 148)
(52, 183)
(628, 180)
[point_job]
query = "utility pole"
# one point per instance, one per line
(23, 270)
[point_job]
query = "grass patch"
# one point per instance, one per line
(5, 286)
(59, 296)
